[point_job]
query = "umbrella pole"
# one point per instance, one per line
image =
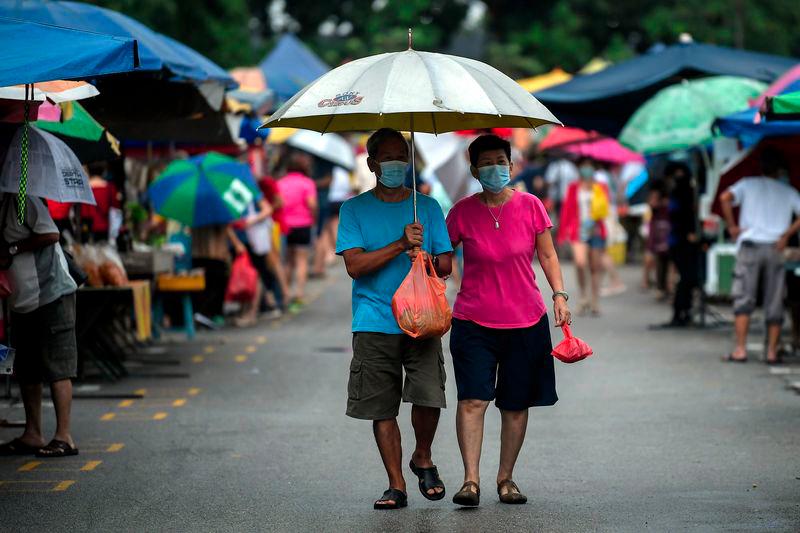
(414, 176)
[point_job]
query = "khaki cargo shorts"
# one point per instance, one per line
(376, 384)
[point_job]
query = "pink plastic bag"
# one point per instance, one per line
(420, 304)
(243, 282)
(571, 349)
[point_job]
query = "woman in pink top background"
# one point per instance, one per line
(500, 341)
(299, 194)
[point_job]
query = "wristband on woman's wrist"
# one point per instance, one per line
(563, 294)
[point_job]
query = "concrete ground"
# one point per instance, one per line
(653, 433)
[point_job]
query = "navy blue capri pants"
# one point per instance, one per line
(514, 367)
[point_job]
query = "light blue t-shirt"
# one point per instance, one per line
(368, 223)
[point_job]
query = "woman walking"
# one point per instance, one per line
(581, 224)
(500, 339)
(300, 211)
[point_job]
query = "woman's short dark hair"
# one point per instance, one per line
(298, 161)
(376, 139)
(485, 143)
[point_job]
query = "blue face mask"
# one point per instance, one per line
(393, 173)
(494, 178)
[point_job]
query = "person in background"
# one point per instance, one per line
(657, 246)
(559, 175)
(300, 211)
(211, 252)
(98, 218)
(500, 341)
(581, 224)
(42, 305)
(378, 243)
(269, 188)
(340, 191)
(684, 249)
(765, 226)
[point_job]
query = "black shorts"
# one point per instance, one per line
(299, 237)
(44, 339)
(513, 366)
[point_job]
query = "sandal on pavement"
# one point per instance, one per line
(397, 496)
(731, 359)
(17, 447)
(466, 497)
(57, 448)
(428, 479)
(510, 496)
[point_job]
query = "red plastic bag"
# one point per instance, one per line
(243, 282)
(571, 349)
(420, 304)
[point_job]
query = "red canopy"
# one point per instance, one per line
(561, 136)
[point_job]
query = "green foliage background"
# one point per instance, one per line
(520, 37)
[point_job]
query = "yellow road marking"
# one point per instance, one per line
(251, 349)
(160, 416)
(194, 391)
(180, 402)
(261, 340)
(108, 416)
(117, 446)
(210, 349)
(240, 358)
(125, 403)
(91, 465)
(198, 359)
(64, 485)
(27, 467)
(140, 392)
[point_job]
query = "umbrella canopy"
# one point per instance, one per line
(606, 149)
(31, 52)
(83, 134)
(290, 66)
(681, 116)
(330, 147)
(204, 190)
(56, 91)
(785, 107)
(412, 91)
(788, 82)
(558, 137)
(606, 100)
(157, 52)
(747, 125)
(544, 81)
(57, 173)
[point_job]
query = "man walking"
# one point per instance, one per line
(765, 225)
(378, 243)
(42, 324)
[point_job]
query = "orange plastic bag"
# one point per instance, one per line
(420, 304)
(571, 349)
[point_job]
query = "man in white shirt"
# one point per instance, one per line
(767, 205)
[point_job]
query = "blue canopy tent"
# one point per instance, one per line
(32, 52)
(290, 66)
(176, 94)
(156, 52)
(742, 125)
(606, 100)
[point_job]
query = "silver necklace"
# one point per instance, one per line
(496, 218)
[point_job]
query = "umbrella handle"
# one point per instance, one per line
(413, 171)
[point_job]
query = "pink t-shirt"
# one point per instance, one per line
(296, 189)
(499, 287)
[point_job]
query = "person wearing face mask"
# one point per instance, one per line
(581, 224)
(378, 240)
(500, 341)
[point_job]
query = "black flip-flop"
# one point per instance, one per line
(17, 447)
(428, 479)
(731, 359)
(57, 448)
(399, 498)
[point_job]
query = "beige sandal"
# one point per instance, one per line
(513, 495)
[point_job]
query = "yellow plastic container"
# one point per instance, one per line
(617, 252)
(192, 282)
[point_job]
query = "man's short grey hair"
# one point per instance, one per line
(383, 134)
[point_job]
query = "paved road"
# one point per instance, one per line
(653, 433)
